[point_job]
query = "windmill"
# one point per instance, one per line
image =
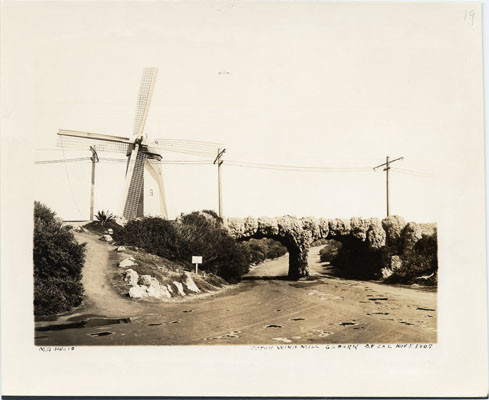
(141, 154)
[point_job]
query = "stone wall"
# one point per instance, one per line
(392, 236)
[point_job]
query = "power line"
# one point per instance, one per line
(62, 160)
(411, 172)
(295, 167)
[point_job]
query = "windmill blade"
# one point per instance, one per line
(156, 173)
(77, 140)
(144, 99)
(133, 189)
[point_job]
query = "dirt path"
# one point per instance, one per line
(100, 297)
(264, 309)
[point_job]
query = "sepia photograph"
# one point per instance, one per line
(234, 178)
(139, 275)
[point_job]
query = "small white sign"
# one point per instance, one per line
(196, 259)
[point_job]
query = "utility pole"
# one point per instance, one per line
(94, 160)
(219, 162)
(386, 169)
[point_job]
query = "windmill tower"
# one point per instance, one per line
(141, 154)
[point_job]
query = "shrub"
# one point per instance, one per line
(422, 261)
(319, 242)
(260, 250)
(194, 234)
(104, 216)
(329, 251)
(58, 262)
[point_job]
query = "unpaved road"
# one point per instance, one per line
(263, 309)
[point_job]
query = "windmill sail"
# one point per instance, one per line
(77, 140)
(144, 99)
(139, 156)
(134, 185)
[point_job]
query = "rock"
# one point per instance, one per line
(267, 226)
(110, 231)
(386, 272)
(131, 277)
(154, 288)
(393, 226)
(411, 233)
(120, 248)
(165, 292)
(359, 228)
(376, 235)
(107, 238)
(312, 227)
(127, 262)
(147, 280)
(396, 263)
(189, 282)
(169, 289)
(324, 227)
(138, 292)
(339, 227)
(77, 229)
(154, 291)
(385, 238)
(179, 287)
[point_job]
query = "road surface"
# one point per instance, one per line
(263, 309)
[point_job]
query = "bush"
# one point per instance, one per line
(260, 250)
(422, 261)
(194, 234)
(329, 251)
(58, 262)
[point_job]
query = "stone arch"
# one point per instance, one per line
(297, 234)
(298, 266)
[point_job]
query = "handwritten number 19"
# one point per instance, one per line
(469, 16)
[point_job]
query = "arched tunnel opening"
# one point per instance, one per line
(350, 257)
(297, 257)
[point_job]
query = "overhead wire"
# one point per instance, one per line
(238, 163)
(411, 172)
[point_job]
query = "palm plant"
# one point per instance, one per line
(104, 216)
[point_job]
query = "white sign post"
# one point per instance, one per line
(196, 260)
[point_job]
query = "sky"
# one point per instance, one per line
(304, 84)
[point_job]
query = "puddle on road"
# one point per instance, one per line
(154, 324)
(89, 323)
(274, 326)
(405, 323)
(297, 319)
(378, 313)
(378, 298)
(106, 333)
(187, 311)
(176, 321)
(347, 323)
(424, 309)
